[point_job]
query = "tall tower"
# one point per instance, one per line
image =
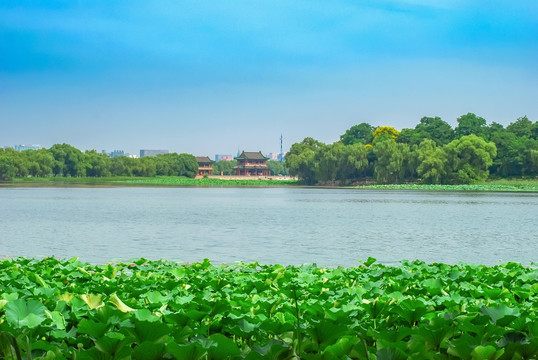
(281, 151)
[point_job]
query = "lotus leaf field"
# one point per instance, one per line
(66, 309)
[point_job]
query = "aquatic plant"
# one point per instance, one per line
(55, 308)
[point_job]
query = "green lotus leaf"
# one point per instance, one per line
(501, 315)
(148, 351)
(112, 344)
(225, 348)
(22, 313)
(192, 351)
(146, 315)
(487, 352)
(390, 353)
(57, 319)
(92, 328)
(94, 301)
(115, 300)
(145, 331)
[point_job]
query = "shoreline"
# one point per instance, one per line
(513, 185)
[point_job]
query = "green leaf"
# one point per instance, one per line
(92, 328)
(21, 313)
(148, 351)
(225, 347)
(192, 351)
(93, 301)
(115, 300)
(487, 352)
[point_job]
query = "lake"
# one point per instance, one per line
(329, 227)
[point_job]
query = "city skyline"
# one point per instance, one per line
(208, 78)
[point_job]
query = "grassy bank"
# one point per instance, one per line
(154, 181)
(161, 310)
(513, 185)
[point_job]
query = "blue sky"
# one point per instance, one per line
(208, 77)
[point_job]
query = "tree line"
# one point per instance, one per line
(432, 152)
(66, 160)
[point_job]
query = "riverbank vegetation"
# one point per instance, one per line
(430, 153)
(154, 181)
(144, 309)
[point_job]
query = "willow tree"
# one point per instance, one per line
(469, 159)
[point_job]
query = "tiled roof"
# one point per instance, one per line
(203, 159)
(246, 155)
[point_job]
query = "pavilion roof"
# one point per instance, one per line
(203, 159)
(246, 155)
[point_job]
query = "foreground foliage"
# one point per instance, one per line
(58, 309)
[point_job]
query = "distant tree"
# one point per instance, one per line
(362, 133)
(469, 159)
(410, 136)
(144, 167)
(432, 162)
(389, 166)
(382, 133)
(68, 161)
(300, 160)
(277, 167)
(436, 129)
(122, 166)
(522, 127)
(19, 160)
(97, 165)
(190, 165)
(471, 124)
(7, 167)
(224, 167)
(40, 162)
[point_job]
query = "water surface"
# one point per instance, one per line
(270, 225)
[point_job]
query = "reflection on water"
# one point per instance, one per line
(284, 225)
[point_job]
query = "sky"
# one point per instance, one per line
(214, 77)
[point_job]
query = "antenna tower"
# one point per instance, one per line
(281, 152)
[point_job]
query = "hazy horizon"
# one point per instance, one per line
(212, 78)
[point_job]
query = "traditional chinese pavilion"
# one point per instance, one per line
(205, 165)
(251, 164)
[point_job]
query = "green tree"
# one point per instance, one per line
(389, 166)
(382, 133)
(436, 129)
(224, 167)
(122, 166)
(362, 133)
(522, 127)
(469, 159)
(190, 165)
(471, 124)
(19, 160)
(97, 165)
(68, 161)
(7, 167)
(300, 160)
(432, 162)
(144, 167)
(40, 162)
(277, 167)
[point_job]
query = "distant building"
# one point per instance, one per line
(276, 156)
(205, 165)
(251, 164)
(117, 153)
(26, 147)
(152, 152)
(219, 157)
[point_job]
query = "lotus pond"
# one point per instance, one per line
(56, 309)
